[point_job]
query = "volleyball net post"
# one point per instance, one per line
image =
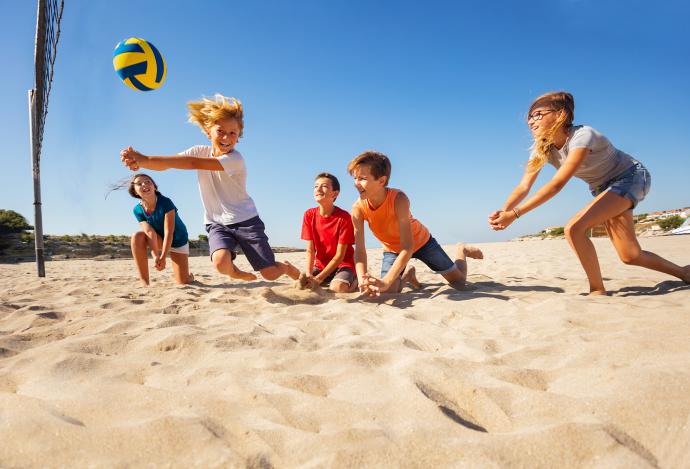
(48, 16)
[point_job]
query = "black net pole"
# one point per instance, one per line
(36, 170)
(48, 16)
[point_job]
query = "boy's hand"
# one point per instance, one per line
(312, 282)
(131, 158)
(372, 286)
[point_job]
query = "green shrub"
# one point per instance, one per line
(670, 223)
(13, 222)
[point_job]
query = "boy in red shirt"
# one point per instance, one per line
(330, 236)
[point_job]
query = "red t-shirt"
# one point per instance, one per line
(327, 233)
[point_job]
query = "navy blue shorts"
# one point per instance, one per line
(249, 235)
(633, 184)
(432, 254)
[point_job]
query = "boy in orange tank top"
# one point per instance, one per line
(387, 211)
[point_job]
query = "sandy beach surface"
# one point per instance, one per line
(520, 370)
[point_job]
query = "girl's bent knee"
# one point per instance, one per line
(630, 257)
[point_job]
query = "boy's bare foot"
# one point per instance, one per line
(469, 251)
(411, 277)
(242, 275)
(292, 271)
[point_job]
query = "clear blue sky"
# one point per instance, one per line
(441, 87)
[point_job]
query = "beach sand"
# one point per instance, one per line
(520, 370)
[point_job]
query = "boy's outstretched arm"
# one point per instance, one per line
(135, 160)
(360, 248)
(391, 282)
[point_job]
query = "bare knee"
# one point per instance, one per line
(574, 229)
(138, 238)
(630, 255)
(222, 260)
(339, 287)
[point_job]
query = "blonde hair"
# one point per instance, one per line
(206, 112)
(557, 101)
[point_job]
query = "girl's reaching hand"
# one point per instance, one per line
(159, 262)
(502, 220)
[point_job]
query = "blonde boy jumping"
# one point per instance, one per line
(230, 215)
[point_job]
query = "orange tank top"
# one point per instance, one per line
(384, 224)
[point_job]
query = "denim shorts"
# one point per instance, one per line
(249, 235)
(432, 254)
(633, 184)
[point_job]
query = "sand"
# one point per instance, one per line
(520, 370)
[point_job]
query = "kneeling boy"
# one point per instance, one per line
(387, 211)
(329, 235)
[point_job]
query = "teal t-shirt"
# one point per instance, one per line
(157, 220)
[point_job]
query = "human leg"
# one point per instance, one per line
(180, 264)
(222, 243)
(604, 207)
(621, 231)
(251, 237)
(222, 261)
(139, 244)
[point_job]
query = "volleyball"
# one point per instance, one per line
(139, 64)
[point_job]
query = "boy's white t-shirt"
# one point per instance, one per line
(224, 193)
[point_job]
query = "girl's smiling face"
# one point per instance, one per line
(224, 135)
(541, 119)
(144, 187)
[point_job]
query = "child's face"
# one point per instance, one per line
(365, 182)
(542, 119)
(224, 135)
(144, 187)
(323, 191)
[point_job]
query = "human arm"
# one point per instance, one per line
(310, 257)
(168, 230)
(332, 265)
(135, 160)
(152, 236)
(403, 218)
(360, 248)
(510, 213)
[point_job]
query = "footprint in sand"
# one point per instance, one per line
(465, 404)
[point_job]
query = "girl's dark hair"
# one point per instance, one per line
(130, 187)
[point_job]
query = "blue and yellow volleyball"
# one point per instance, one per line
(139, 64)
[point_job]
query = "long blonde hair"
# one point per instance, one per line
(558, 101)
(207, 112)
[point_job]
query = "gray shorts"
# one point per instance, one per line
(633, 184)
(249, 235)
(341, 274)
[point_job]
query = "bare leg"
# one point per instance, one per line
(222, 260)
(140, 244)
(180, 263)
(621, 230)
(456, 277)
(605, 206)
(280, 268)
